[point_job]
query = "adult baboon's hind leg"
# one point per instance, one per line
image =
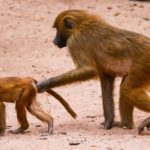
(133, 93)
(126, 109)
(126, 113)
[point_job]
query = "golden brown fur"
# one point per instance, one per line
(100, 49)
(23, 92)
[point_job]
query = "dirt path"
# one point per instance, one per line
(26, 50)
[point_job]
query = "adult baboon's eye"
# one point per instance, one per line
(68, 23)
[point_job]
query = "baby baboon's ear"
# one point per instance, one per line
(69, 23)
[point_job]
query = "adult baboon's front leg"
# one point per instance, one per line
(107, 96)
(78, 74)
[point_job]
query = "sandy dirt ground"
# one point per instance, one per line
(26, 49)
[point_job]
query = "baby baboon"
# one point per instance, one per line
(100, 49)
(23, 92)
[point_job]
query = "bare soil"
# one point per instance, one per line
(26, 49)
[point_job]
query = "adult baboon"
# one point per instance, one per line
(100, 49)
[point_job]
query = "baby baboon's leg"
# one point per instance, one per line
(35, 110)
(22, 118)
(21, 111)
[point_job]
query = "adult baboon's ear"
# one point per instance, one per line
(69, 23)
